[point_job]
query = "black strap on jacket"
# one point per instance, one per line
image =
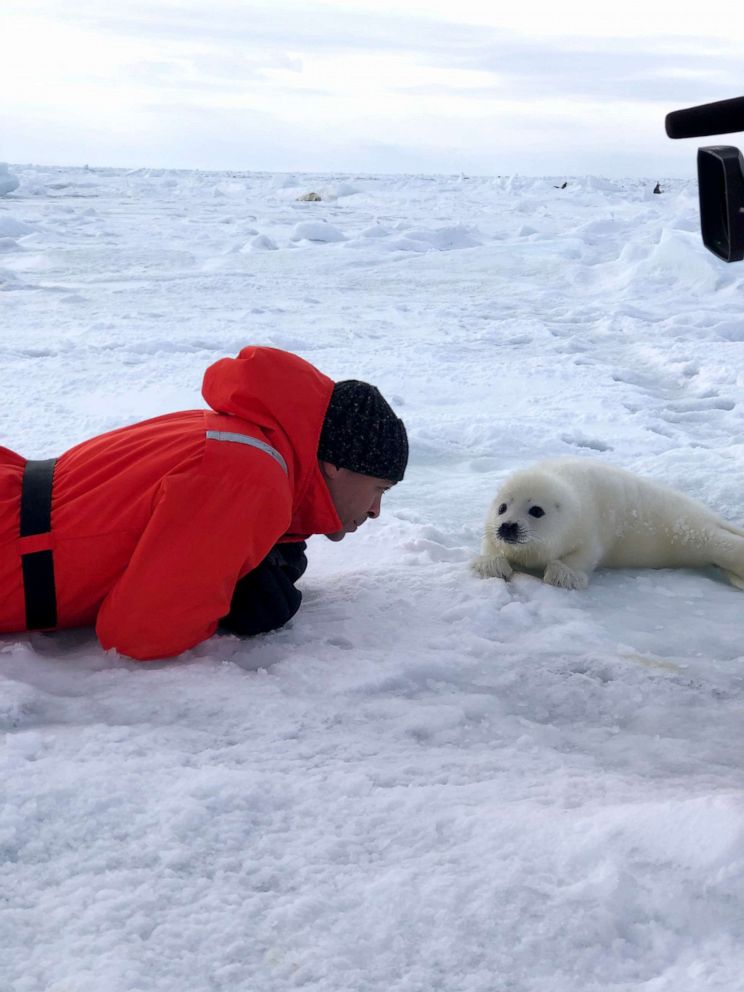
(38, 566)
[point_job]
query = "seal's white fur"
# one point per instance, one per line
(595, 515)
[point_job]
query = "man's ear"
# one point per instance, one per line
(328, 470)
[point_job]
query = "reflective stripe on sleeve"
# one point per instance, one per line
(252, 441)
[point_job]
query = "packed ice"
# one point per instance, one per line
(426, 781)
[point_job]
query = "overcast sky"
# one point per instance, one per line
(362, 86)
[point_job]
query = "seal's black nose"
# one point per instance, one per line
(509, 532)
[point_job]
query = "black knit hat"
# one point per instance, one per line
(361, 432)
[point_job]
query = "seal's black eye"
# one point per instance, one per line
(502, 509)
(537, 511)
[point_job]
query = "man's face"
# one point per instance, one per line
(355, 496)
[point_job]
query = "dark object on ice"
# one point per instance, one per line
(266, 598)
(561, 187)
(720, 174)
(657, 188)
(309, 198)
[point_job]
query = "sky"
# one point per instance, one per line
(475, 87)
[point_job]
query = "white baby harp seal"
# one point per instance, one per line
(569, 516)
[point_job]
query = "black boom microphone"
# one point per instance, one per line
(708, 118)
(720, 173)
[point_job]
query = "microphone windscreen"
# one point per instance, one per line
(708, 118)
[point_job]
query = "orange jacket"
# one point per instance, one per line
(153, 524)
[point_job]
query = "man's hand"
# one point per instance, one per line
(266, 598)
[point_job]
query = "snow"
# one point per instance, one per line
(426, 781)
(310, 230)
(8, 181)
(262, 242)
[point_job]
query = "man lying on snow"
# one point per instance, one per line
(163, 532)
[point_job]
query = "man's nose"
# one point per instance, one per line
(374, 510)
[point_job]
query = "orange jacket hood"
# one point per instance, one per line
(287, 398)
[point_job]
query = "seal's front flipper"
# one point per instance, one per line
(559, 574)
(491, 567)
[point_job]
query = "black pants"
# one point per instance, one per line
(266, 598)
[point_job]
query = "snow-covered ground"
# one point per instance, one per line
(426, 781)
